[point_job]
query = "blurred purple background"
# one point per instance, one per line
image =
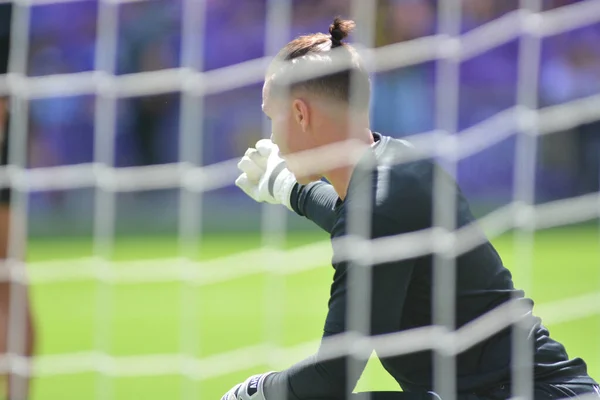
(63, 38)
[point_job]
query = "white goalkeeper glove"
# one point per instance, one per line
(251, 389)
(265, 177)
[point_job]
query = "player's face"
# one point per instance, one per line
(289, 134)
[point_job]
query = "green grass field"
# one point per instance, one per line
(152, 318)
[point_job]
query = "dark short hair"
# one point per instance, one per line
(317, 51)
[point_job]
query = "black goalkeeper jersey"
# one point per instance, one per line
(401, 291)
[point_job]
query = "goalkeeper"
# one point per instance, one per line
(311, 114)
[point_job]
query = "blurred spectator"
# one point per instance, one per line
(489, 79)
(478, 12)
(409, 19)
(403, 98)
(572, 73)
(234, 33)
(62, 127)
(311, 16)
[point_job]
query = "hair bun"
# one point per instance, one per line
(339, 30)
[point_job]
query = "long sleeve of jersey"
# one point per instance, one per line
(315, 201)
(321, 376)
(314, 378)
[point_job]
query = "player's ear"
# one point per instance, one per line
(301, 114)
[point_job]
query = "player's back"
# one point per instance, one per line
(403, 194)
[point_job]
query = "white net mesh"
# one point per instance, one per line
(193, 180)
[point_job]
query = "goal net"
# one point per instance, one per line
(142, 285)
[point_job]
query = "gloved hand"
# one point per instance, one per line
(251, 389)
(265, 177)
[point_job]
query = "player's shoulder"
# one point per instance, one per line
(402, 185)
(402, 171)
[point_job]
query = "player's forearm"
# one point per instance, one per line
(317, 377)
(315, 201)
(306, 381)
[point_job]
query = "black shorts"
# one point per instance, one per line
(547, 391)
(542, 391)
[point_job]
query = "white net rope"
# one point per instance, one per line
(184, 175)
